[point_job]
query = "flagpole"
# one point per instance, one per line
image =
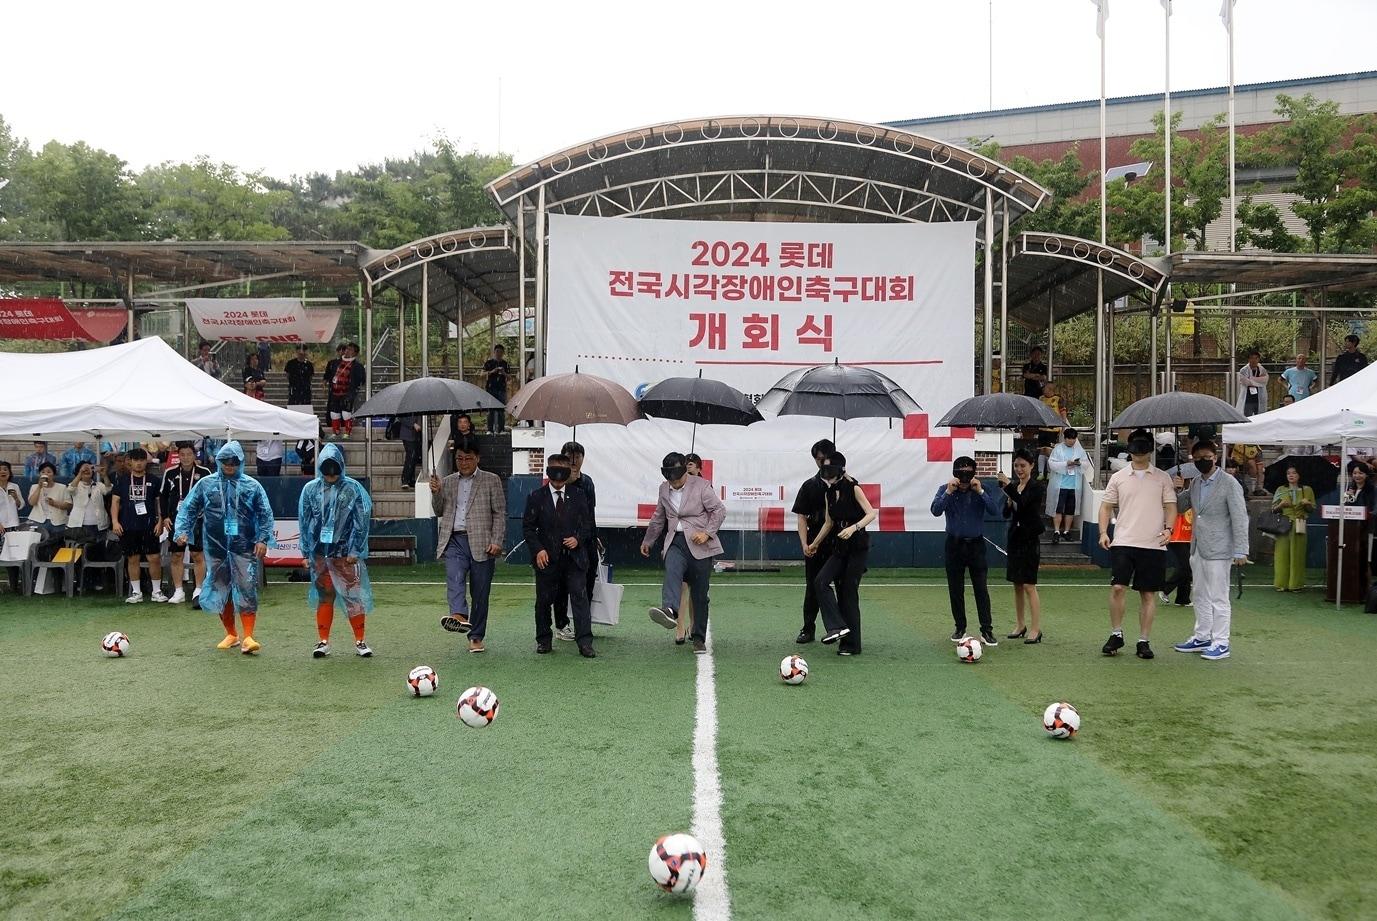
(1166, 182)
(1228, 13)
(1103, 13)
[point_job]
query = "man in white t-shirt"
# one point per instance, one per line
(1143, 502)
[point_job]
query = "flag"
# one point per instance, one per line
(1226, 13)
(1102, 13)
(1166, 5)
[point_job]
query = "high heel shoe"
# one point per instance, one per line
(680, 640)
(1033, 639)
(1019, 635)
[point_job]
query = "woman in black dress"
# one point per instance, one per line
(1023, 503)
(848, 512)
(1362, 491)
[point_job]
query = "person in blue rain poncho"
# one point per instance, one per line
(236, 530)
(334, 515)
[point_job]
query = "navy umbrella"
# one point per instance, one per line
(699, 400)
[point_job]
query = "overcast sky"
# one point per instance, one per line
(294, 87)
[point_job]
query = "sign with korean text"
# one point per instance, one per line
(52, 318)
(1343, 512)
(641, 300)
(261, 319)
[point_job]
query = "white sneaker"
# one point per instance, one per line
(321, 651)
(196, 595)
(158, 596)
(178, 596)
(135, 597)
(566, 633)
(361, 649)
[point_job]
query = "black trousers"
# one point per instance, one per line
(562, 603)
(411, 461)
(562, 577)
(1180, 578)
(812, 565)
(968, 554)
(838, 589)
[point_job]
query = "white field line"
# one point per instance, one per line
(711, 901)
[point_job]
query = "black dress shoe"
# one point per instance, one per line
(804, 636)
(699, 647)
(587, 652)
(542, 648)
(1113, 644)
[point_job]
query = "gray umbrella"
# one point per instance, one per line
(427, 396)
(1169, 410)
(1001, 411)
(838, 391)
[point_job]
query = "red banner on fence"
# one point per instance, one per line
(51, 318)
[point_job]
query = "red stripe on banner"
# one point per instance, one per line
(916, 425)
(706, 470)
(939, 449)
(772, 519)
(51, 318)
(967, 434)
(872, 493)
(813, 364)
(892, 518)
(644, 512)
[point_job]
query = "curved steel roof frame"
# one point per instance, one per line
(475, 271)
(1061, 270)
(811, 168)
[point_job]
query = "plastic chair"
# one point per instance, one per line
(65, 560)
(16, 551)
(115, 567)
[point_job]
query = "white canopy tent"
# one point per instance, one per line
(137, 391)
(1345, 413)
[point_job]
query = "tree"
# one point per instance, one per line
(1200, 182)
(210, 201)
(14, 208)
(78, 192)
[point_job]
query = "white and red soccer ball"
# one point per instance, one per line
(1061, 720)
(477, 707)
(115, 644)
(793, 669)
(422, 681)
(678, 862)
(968, 649)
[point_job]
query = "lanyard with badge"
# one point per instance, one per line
(327, 515)
(139, 494)
(231, 513)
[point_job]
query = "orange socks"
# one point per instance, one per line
(247, 619)
(325, 616)
(356, 624)
(227, 618)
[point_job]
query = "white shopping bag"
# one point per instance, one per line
(607, 603)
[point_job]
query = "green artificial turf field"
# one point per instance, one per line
(183, 782)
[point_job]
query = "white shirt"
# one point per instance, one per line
(10, 503)
(676, 500)
(269, 451)
(557, 492)
(87, 508)
(43, 509)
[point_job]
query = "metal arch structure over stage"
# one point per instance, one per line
(765, 167)
(462, 275)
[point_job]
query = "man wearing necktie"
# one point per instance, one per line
(558, 529)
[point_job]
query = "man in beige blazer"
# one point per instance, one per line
(471, 508)
(688, 514)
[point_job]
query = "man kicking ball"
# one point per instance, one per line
(236, 531)
(334, 513)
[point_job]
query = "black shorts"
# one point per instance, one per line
(1141, 569)
(135, 543)
(1066, 501)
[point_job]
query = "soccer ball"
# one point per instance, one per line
(1061, 720)
(477, 707)
(793, 669)
(422, 681)
(115, 645)
(677, 863)
(969, 649)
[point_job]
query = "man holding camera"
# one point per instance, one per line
(965, 503)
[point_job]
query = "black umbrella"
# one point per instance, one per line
(1001, 411)
(1315, 471)
(838, 391)
(427, 396)
(1169, 410)
(699, 400)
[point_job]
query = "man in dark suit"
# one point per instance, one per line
(558, 529)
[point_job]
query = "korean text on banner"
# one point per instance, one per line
(637, 301)
(261, 319)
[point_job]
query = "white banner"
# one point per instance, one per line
(637, 301)
(261, 319)
(287, 534)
